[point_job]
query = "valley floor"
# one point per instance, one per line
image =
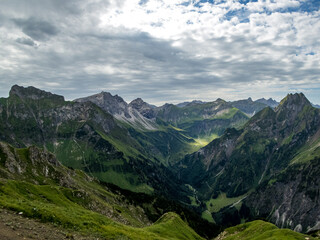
(16, 227)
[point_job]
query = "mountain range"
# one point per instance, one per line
(225, 162)
(271, 144)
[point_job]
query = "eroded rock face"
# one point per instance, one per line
(144, 108)
(10, 161)
(292, 199)
(33, 116)
(138, 113)
(33, 164)
(34, 93)
(112, 104)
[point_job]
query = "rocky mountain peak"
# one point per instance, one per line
(143, 108)
(138, 103)
(108, 97)
(33, 93)
(112, 104)
(293, 103)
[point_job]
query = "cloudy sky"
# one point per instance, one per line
(162, 50)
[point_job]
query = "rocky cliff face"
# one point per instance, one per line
(33, 165)
(133, 113)
(29, 118)
(34, 93)
(143, 108)
(291, 199)
(111, 104)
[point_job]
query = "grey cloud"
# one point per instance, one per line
(36, 29)
(26, 41)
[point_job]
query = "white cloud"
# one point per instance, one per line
(262, 5)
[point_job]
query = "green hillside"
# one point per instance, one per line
(35, 184)
(260, 230)
(84, 136)
(64, 207)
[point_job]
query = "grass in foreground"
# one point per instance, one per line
(60, 205)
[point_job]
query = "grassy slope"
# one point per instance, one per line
(214, 205)
(203, 141)
(84, 206)
(260, 230)
(60, 205)
(307, 153)
(170, 226)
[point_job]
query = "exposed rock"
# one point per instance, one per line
(291, 199)
(42, 165)
(192, 103)
(128, 113)
(112, 104)
(270, 102)
(34, 93)
(144, 108)
(248, 106)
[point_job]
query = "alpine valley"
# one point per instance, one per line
(101, 168)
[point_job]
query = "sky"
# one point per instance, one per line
(162, 51)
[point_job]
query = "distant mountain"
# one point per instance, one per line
(188, 103)
(196, 120)
(202, 120)
(132, 113)
(240, 160)
(145, 109)
(316, 105)
(159, 139)
(35, 94)
(270, 102)
(248, 106)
